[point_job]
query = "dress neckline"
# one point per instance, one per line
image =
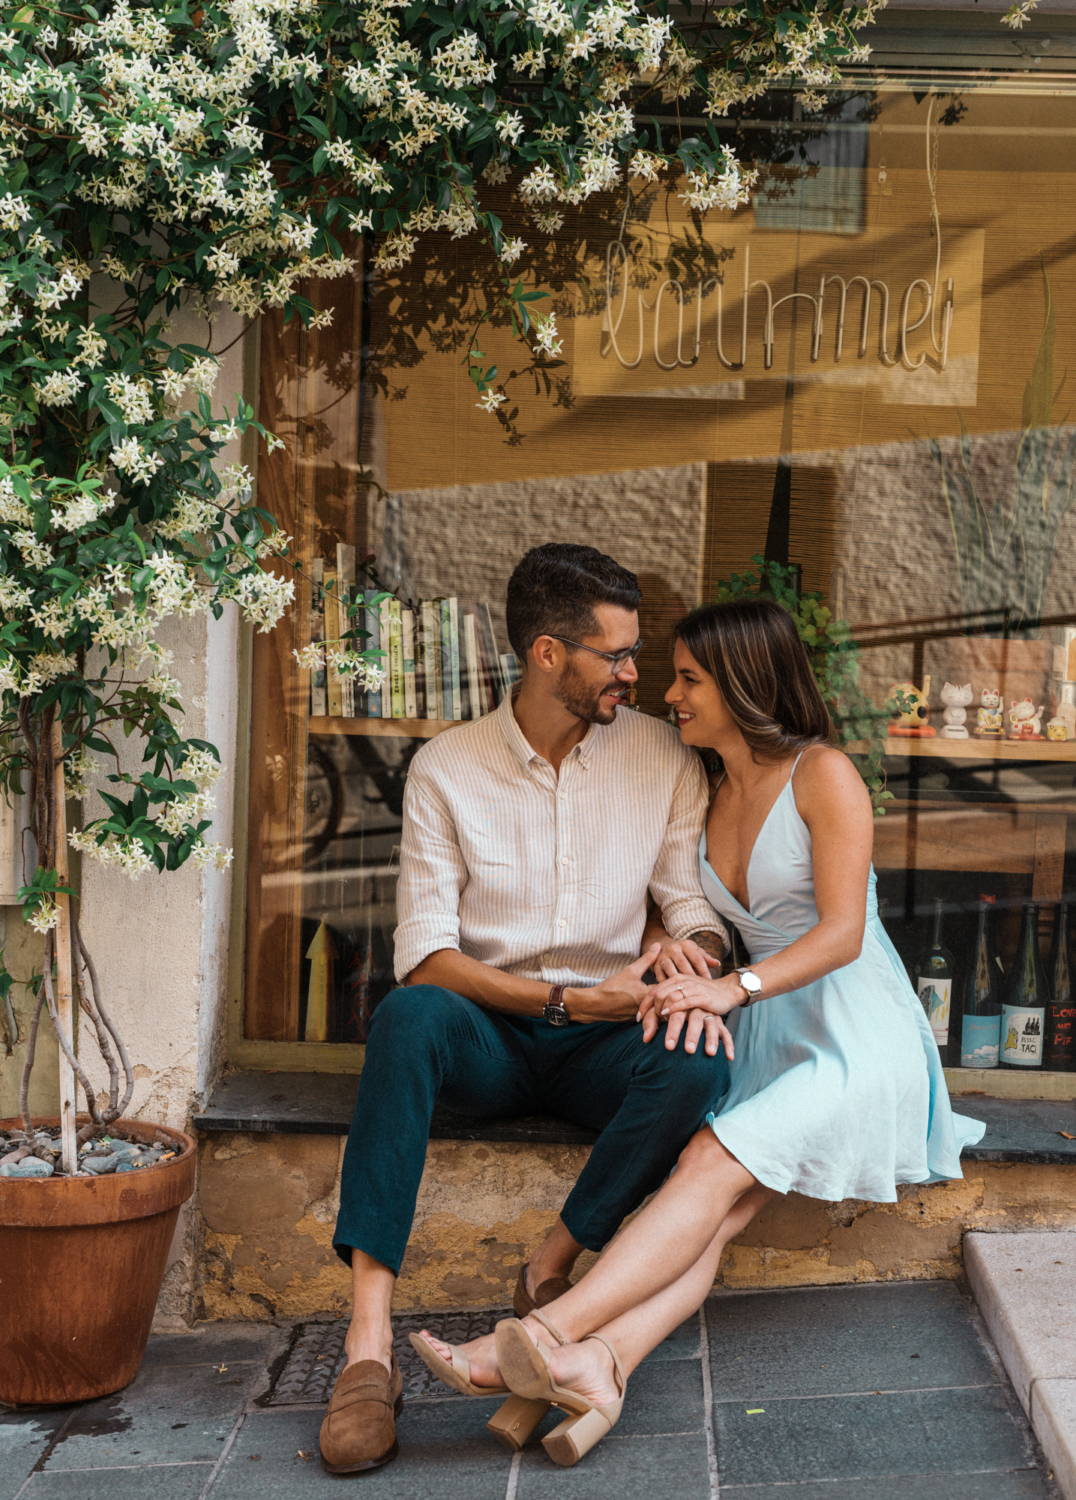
(704, 850)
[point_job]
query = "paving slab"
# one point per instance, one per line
(850, 1437)
(1025, 1285)
(24, 1436)
(1054, 1420)
(1017, 1484)
(829, 1340)
(165, 1482)
(655, 1468)
(445, 1452)
(171, 1414)
(217, 1344)
(664, 1397)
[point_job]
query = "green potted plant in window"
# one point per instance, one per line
(862, 727)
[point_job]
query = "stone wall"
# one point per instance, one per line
(269, 1205)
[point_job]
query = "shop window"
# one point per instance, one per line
(848, 395)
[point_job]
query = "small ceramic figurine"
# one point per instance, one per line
(988, 718)
(1026, 720)
(956, 700)
(1056, 729)
(912, 723)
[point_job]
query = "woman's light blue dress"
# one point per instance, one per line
(837, 1089)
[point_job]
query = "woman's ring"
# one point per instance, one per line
(680, 987)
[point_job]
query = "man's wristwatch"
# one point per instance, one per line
(750, 981)
(555, 1011)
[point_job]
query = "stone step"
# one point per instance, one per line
(1025, 1285)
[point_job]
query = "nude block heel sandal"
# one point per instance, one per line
(513, 1421)
(577, 1434)
(525, 1369)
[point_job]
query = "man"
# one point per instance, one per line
(531, 839)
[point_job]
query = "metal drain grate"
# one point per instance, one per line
(317, 1357)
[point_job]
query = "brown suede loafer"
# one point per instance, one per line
(548, 1291)
(359, 1430)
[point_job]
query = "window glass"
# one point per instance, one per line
(866, 373)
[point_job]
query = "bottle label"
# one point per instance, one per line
(1059, 1053)
(934, 995)
(1021, 1036)
(980, 1042)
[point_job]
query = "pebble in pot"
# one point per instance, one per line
(30, 1166)
(100, 1165)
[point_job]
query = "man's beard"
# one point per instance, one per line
(584, 701)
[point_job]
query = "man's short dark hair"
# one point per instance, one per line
(554, 588)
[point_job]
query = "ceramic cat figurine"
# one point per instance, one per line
(956, 700)
(988, 718)
(1026, 720)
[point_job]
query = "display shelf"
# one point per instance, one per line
(419, 729)
(973, 749)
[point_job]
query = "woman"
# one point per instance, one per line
(836, 1091)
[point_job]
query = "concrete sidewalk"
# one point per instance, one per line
(849, 1393)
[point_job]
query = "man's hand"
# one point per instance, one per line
(688, 956)
(618, 998)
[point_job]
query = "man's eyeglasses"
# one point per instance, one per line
(617, 659)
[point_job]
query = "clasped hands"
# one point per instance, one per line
(685, 998)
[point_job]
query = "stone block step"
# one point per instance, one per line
(1025, 1285)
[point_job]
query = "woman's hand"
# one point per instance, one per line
(692, 1006)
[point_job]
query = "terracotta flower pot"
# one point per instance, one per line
(81, 1265)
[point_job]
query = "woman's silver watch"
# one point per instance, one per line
(750, 981)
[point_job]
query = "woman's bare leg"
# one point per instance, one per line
(724, 1194)
(588, 1367)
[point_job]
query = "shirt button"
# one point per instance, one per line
(562, 922)
(565, 860)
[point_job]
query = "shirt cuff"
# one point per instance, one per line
(686, 917)
(417, 939)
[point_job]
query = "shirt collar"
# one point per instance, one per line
(522, 748)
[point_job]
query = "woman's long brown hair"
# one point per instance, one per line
(752, 651)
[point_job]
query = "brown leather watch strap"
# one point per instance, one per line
(556, 995)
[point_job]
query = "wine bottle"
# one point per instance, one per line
(980, 1032)
(1024, 998)
(934, 984)
(1061, 1011)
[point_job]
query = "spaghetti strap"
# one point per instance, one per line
(795, 763)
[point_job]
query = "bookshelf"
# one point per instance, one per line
(419, 729)
(970, 749)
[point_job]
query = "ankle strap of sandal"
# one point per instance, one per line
(551, 1327)
(601, 1339)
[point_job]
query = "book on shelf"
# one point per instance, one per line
(345, 582)
(319, 705)
(431, 659)
(396, 666)
(333, 681)
(454, 650)
(487, 647)
(509, 670)
(447, 708)
(385, 620)
(373, 643)
(470, 647)
(409, 670)
(440, 662)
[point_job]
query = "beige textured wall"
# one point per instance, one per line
(269, 1205)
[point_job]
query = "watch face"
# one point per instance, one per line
(751, 983)
(556, 1015)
